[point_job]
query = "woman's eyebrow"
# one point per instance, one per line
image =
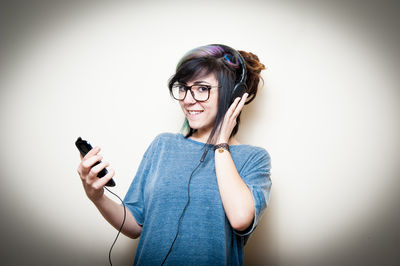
(200, 82)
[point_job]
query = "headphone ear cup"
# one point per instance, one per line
(239, 90)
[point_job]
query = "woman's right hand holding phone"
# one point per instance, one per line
(94, 188)
(88, 172)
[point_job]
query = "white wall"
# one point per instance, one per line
(328, 114)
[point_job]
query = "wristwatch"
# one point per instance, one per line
(221, 147)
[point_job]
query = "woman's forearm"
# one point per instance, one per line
(114, 214)
(236, 196)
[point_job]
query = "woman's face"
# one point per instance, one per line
(201, 115)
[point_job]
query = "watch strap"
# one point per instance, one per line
(221, 147)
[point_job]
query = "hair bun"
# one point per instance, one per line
(254, 67)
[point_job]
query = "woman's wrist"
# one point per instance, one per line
(221, 147)
(99, 201)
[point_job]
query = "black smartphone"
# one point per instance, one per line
(84, 147)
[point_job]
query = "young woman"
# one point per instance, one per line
(197, 196)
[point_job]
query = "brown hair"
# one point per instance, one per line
(254, 67)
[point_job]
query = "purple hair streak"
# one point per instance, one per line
(211, 50)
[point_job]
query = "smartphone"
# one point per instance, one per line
(84, 147)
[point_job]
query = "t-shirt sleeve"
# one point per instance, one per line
(134, 197)
(256, 174)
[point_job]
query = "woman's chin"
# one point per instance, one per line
(194, 126)
(200, 125)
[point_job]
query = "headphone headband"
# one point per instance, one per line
(239, 57)
(240, 87)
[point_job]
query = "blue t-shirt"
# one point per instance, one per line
(159, 193)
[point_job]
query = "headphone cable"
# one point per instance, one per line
(120, 229)
(184, 209)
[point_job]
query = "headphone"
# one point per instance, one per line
(240, 87)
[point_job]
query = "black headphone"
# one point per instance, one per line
(240, 87)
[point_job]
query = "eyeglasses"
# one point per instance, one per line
(200, 92)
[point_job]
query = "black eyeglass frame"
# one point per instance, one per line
(189, 88)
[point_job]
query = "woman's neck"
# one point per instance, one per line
(201, 136)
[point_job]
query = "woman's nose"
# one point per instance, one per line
(189, 97)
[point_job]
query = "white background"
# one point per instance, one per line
(328, 115)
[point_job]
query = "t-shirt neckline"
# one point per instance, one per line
(203, 143)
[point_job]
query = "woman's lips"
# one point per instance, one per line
(194, 113)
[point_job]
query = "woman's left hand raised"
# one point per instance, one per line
(229, 122)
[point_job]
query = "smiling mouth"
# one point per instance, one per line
(194, 112)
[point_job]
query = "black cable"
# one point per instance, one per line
(184, 209)
(120, 229)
